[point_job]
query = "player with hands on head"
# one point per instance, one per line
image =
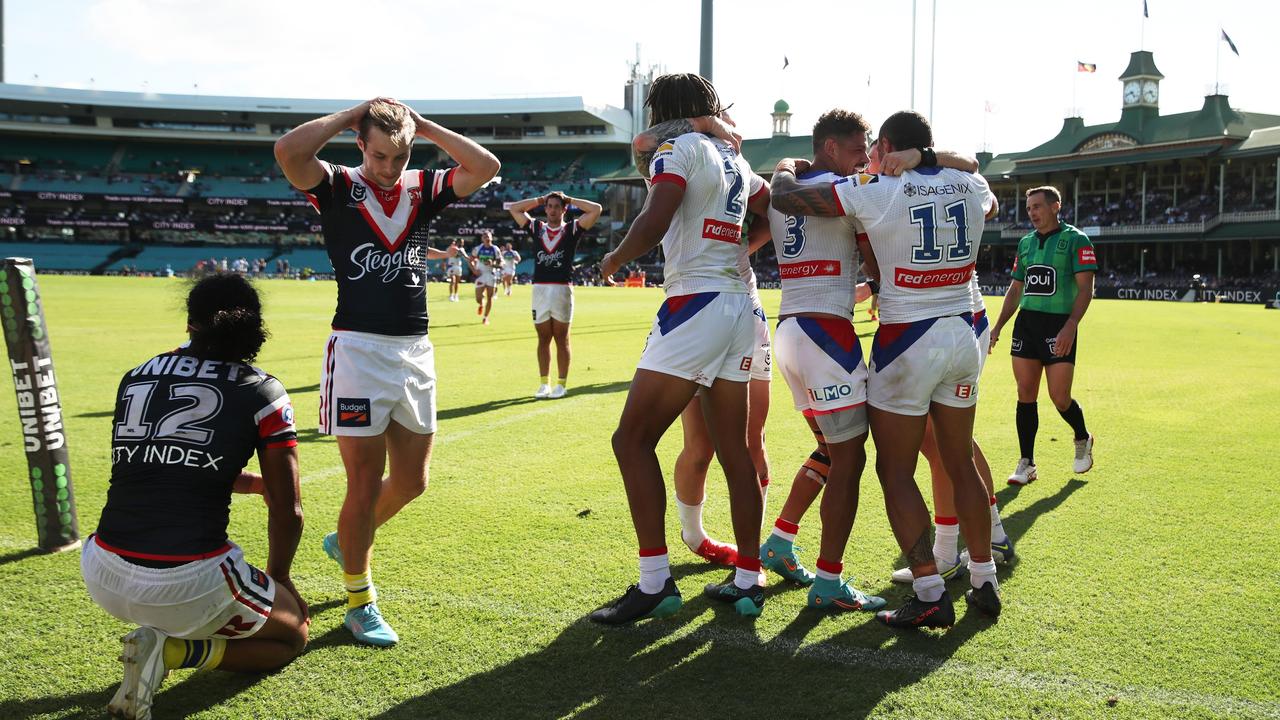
(378, 383)
(554, 241)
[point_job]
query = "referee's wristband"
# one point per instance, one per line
(928, 158)
(875, 287)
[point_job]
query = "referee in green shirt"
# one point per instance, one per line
(1052, 285)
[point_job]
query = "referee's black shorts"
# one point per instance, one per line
(1034, 334)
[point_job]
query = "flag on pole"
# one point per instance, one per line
(1086, 67)
(988, 107)
(1230, 44)
(785, 62)
(1145, 14)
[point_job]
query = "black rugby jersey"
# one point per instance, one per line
(377, 242)
(184, 428)
(553, 251)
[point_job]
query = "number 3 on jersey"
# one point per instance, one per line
(794, 242)
(928, 250)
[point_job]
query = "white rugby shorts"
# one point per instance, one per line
(218, 597)
(370, 380)
(762, 358)
(982, 329)
(914, 364)
(702, 337)
(821, 360)
(552, 302)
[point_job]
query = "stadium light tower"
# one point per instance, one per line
(704, 63)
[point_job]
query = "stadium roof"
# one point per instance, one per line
(84, 108)
(1143, 135)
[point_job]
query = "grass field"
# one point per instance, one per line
(1146, 589)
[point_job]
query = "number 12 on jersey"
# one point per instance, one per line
(928, 250)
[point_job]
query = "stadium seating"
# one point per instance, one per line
(60, 256)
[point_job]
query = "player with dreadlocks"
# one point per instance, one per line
(702, 340)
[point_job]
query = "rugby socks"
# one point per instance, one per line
(194, 654)
(946, 536)
(785, 531)
(655, 568)
(930, 587)
(998, 533)
(981, 573)
(829, 572)
(1074, 416)
(563, 382)
(360, 590)
(691, 530)
(1028, 422)
(747, 574)
(544, 379)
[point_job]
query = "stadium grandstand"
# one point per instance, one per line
(114, 182)
(1182, 205)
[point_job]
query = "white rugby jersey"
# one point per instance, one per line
(704, 246)
(509, 261)
(925, 227)
(817, 258)
(975, 295)
(454, 264)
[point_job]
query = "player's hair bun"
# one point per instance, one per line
(225, 318)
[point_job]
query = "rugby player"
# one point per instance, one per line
(484, 265)
(554, 244)
(510, 258)
(702, 338)
(926, 226)
(690, 476)
(819, 355)
(453, 268)
(186, 422)
(377, 391)
(1052, 284)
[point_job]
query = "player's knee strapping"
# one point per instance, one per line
(818, 466)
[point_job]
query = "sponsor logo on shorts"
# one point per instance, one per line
(1053, 345)
(830, 392)
(1040, 280)
(745, 365)
(964, 392)
(811, 268)
(722, 231)
(907, 278)
(353, 412)
(1016, 345)
(259, 578)
(1087, 256)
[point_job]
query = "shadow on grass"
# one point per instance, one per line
(719, 668)
(19, 555)
(490, 406)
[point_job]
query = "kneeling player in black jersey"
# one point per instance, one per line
(186, 422)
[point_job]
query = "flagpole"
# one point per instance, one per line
(1142, 44)
(1074, 81)
(1217, 64)
(913, 55)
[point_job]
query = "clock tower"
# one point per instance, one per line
(1140, 91)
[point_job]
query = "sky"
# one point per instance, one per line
(1016, 58)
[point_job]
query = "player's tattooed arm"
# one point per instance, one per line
(900, 161)
(921, 552)
(791, 198)
(646, 144)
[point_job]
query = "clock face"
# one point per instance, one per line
(1150, 92)
(1132, 91)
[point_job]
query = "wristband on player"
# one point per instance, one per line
(875, 287)
(928, 158)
